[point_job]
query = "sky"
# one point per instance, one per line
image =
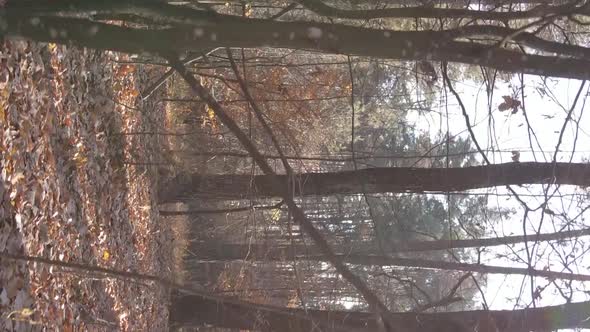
(547, 104)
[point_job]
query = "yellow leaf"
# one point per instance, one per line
(51, 47)
(79, 159)
(20, 315)
(26, 312)
(106, 255)
(276, 215)
(210, 113)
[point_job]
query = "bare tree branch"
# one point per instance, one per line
(298, 215)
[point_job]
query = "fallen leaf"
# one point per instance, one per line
(106, 255)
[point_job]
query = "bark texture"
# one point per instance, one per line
(187, 310)
(201, 31)
(234, 251)
(376, 180)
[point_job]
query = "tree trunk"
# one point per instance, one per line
(285, 253)
(380, 260)
(232, 251)
(201, 31)
(323, 9)
(376, 180)
(194, 310)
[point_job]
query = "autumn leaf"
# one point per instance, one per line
(509, 104)
(276, 215)
(26, 312)
(210, 113)
(52, 47)
(80, 159)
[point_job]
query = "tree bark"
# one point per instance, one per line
(191, 310)
(285, 253)
(380, 260)
(200, 31)
(322, 9)
(233, 251)
(376, 180)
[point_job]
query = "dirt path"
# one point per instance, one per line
(68, 193)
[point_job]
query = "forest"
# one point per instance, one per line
(294, 165)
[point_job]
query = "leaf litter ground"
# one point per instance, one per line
(70, 130)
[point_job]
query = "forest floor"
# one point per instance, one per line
(71, 131)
